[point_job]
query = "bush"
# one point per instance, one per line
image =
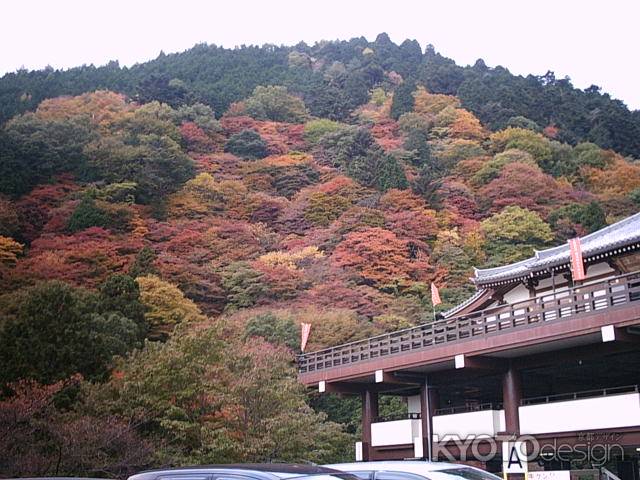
(247, 144)
(87, 214)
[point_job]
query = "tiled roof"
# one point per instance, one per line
(468, 301)
(621, 234)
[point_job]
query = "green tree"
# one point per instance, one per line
(243, 284)
(523, 122)
(57, 331)
(492, 168)
(121, 293)
(354, 150)
(87, 214)
(274, 103)
(155, 163)
(314, 130)
(322, 208)
(247, 144)
(275, 329)
(208, 400)
(417, 144)
(34, 150)
(143, 263)
(577, 219)
(513, 233)
(403, 100)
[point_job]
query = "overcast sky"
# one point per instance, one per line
(593, 42)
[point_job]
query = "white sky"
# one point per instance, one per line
(593, 42)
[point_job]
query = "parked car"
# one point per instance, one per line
(413, 470)
(268, 471)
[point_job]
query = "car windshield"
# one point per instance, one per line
(461, 473)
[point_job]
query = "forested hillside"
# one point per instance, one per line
(334, 78)
(161, 241)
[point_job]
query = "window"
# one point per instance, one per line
(465, 474)
(363, 475)
(398, 476)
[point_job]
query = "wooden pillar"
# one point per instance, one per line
(369, 412)
(428, 404)
(511, 397)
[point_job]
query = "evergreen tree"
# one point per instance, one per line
(403, 100)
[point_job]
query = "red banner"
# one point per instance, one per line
(577, 265)
(435, 295)
(305, 330)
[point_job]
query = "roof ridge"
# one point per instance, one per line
(592, 244)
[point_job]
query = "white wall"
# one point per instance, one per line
(601, 268)
(397, 432)
(486, 422)
(517, 294)
(594, 270)
(577, 415)
(615, 411)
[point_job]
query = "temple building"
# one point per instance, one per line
(534, 360)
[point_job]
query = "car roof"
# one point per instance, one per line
(267, 470)
(408, 466)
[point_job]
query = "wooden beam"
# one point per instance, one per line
(575, 353)
(344, 387)
(627, 335)
(479, 362)
(391, 378)
(356, 388)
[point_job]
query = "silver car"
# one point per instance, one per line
(413, 470)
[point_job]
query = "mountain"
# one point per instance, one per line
(334, 78)
(162, 240)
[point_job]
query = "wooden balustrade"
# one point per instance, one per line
(550, 307)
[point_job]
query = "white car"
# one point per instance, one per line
(413, 470)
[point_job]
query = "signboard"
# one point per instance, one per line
(514, 458)
(550, 475)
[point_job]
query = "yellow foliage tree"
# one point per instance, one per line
(467, 126)
(290, 260)
(200, 196)
(166, 306)
(9, 250)
(522, 139)
(432, 103)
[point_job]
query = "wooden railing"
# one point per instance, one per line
(563, 397)
(480, 407)
(550, 307)
(397, 416)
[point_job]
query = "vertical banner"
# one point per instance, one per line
(435, 295)
(305, 331)
(577, 264)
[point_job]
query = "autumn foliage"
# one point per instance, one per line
(205, 240)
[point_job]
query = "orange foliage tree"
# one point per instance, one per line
(528, 187)
(379, 257)
(619, 179)
(102, 107)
